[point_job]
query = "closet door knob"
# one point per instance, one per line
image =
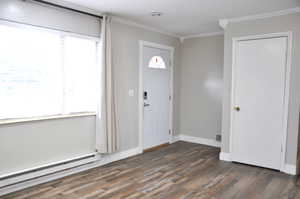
(237, 108)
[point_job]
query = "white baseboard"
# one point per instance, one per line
(175, 138)
(289, 169)
(106, 159)
(225, 157)
(17, 185)
(197, 140)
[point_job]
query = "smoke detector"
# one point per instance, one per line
(156, 14)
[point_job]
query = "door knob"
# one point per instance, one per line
(145, 104)
(237, 108)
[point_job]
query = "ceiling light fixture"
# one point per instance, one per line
(156, 14)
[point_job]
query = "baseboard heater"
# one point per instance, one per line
(44, 170)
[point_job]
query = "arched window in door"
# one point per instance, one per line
(157, 62)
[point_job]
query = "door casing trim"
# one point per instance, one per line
(235, 40)
(142, 44)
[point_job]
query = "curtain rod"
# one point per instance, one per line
(66, 8)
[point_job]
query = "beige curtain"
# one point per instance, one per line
(107, 139)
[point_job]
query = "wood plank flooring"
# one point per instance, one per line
(180, 170)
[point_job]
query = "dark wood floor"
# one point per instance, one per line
(181, 170)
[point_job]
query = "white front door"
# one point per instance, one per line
(156, 83)
(258, 101)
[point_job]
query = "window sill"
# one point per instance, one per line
(50, 117)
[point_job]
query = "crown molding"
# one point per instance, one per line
(138, 25)
(224, 22)
(209, 34)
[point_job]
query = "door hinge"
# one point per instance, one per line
(169, 132)
(170, 97)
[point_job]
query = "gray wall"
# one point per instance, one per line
(32, 144)
(126, 65)
(264, 26)
(201, 86)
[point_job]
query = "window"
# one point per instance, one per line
(157, 62)
(80, 66)
(44, 73)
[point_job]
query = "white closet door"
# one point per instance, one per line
(259, 90)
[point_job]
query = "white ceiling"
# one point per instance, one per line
(185, 17)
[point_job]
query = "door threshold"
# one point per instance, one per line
(156, 148)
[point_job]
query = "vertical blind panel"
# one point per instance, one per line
(50, 17)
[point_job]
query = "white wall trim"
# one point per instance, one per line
(290, 169)
(175, 138)
(209, 34)
(106, 159)
(142, 44)
(17, 184)
(287, 168)
(198, 140)
(138, 25)
(225, 156)
(224, 22)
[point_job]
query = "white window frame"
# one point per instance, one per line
(62, 34)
